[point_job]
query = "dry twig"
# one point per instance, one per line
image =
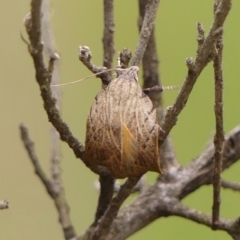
(108, 33)
(44, 77)
(125, 57)
(59, 200)
(106, 221)
(204, 56)
(172, 187)
(146, 30)
(85, 56)
(151, 79)
(219, 135)
(106, 181)
(105, 196)
(230, 185)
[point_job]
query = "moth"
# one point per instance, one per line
(122, 131)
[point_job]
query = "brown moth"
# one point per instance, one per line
(122, 130)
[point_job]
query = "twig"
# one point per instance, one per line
(59, 200)
(4, 204)
(85, 56)
(180, 210)
(151, 81)
(108, 33)
(43, 77)
(204, 56)
(171, 186)
(106, 182)
(231, 185)
(147, 26)
(150, 61)
(106, 221)
(55, 140)
(219, 135)
(105, 196)
(125, 57)
(29, 146)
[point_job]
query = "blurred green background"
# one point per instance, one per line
(32, 214)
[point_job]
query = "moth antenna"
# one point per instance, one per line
(80, 80)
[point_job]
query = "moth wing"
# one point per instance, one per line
(129, 146)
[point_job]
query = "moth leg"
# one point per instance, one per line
(156, 88)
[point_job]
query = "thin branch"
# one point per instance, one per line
(4, 204)
(108, 33)
(105, 196)
(219, 135)
(204, 56)
(125, 57)
(173, 185)
(178, 209)
(230, 185)
(85, 56)
(150, 61)
(29, 146)
(147, 26)
(106, 182)
(106, 221)
(58, 198)
(43, 76)
(151, 81)
(48, 37)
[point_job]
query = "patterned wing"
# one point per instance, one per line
(122, 133)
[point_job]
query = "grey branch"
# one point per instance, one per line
(204, 56)
(146, 30)
(219, 135)
(125, 57)
(173, 186)
(50, 51)
(105, 222)
(230, 185)
(44, 77)
(108, 33)
(105, 196)
(58, 197)
(85, 56)
(151, 79)
(106, 182)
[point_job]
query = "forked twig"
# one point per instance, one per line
(58, 198)
(105, 196)
(160, 199)
(47, 35)
(106, 181)
(204, 56)
(106, 221)
(43, 77)
(85, 56)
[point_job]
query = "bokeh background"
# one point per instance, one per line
(32, 214)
